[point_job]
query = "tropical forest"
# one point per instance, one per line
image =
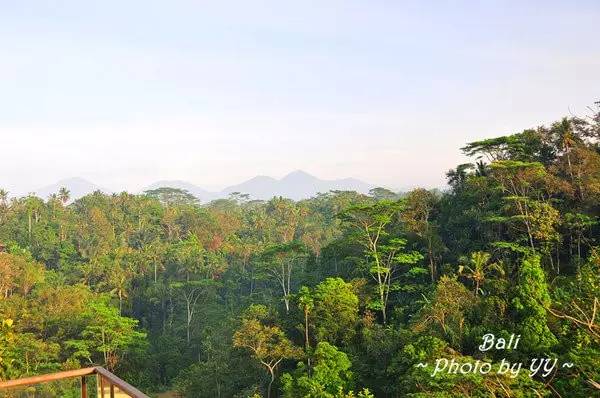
(423, 293)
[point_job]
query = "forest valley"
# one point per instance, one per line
(339, 295)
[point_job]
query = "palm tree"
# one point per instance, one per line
(566, 139)
(481, 169)
(459, 175)
(64, 195)
(154, 255)
(478, 267)
(119, 281)
(306, 304)
(32, 206)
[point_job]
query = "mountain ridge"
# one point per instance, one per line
(295, 185)
(77, 187)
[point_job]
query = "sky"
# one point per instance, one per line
(125, 93)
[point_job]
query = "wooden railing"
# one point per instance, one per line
(108, 385)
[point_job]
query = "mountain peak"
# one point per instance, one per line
(296, 185)
(77, 187)
(298, 174)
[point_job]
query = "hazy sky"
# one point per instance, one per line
(125, 93)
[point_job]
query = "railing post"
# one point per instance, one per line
(105, 377)
(83, 387)
(101, 384)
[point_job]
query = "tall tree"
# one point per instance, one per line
(531, 300)
(477, 268)
(306, 304)
(266, 341)
(418, 216)
(368, 224)
(64, 195)
(280, 261)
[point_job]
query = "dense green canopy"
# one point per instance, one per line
(340, 295)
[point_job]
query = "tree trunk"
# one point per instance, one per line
(284, 281)
(525, 213)
(306, 343)
(272, 372)
(120, 302)
(431, 266)
(306, 340)
(286, 300)
(382, 298)
(380, 283)
(189, 321)
(557, 260)
(431, 260)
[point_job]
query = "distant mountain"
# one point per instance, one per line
(296, 185)
(202, 194)
(258, 187)
(77, 187)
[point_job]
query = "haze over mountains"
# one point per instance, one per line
(77, 187)
(296, 185)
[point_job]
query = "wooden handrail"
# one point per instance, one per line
(27, 381)
(98, 370)
(123, 385)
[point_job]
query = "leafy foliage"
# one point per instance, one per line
(217, 299)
